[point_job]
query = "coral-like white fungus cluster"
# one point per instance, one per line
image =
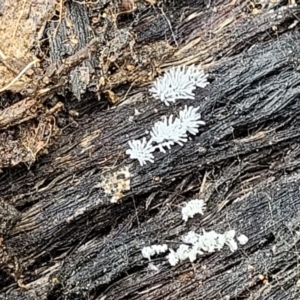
(242, 239)
(166, 133)
(196, 244)
(141, 150)
(210, 242)
(177, 83)
(191, 208)
(147, 252)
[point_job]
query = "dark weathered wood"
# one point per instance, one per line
(67, 37)
(61, 237)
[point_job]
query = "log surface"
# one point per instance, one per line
(61, 235)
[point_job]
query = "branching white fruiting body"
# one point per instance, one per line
(178, 83)
(141, 150)
(198, 244)
(147, 252)
(195, 244)
(166, 133)
(191, 208)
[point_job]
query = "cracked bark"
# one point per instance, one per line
(62, 238)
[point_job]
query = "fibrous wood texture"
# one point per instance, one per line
(61, 237)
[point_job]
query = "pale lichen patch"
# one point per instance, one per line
(115, 184)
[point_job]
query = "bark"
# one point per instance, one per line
(61, 235)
